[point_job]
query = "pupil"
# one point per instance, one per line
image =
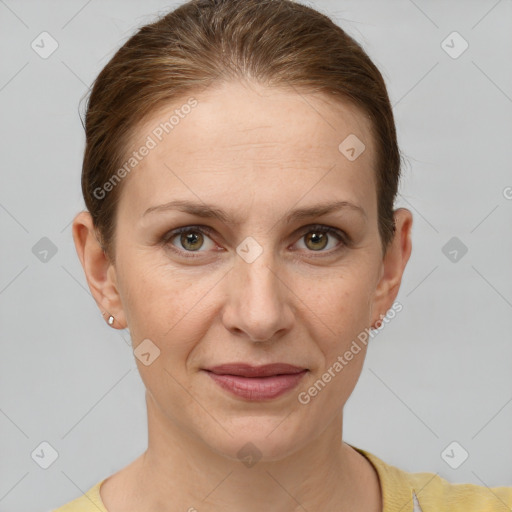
(191, 239)
(317, 237)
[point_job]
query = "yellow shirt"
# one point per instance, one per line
(401, 492)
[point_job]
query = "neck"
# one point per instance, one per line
(180, 468)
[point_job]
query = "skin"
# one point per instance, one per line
(257, 153)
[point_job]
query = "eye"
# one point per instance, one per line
(317, 237)
(192, 238)
(189, 238)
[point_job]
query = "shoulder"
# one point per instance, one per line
(88, 502)
(428, 492)
(435, 493)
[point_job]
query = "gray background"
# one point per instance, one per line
(439, 372)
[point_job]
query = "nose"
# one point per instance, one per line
(258, 299)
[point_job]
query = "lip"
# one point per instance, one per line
(256, 382)
(247, 370)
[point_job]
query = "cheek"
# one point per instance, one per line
(165, 307)
(340, 303)
(165, 304)
(339, 317)
(344, 317)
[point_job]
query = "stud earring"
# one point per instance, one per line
(110, 320)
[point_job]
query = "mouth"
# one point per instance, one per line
(247, 370)
(256, 382)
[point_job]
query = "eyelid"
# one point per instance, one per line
(324, 228)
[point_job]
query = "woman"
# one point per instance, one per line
(240, 174)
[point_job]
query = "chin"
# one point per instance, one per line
(256, 439)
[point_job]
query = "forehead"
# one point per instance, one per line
(246, 138)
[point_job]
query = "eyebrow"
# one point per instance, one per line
(210, 211)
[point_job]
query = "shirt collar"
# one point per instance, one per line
(397, 493)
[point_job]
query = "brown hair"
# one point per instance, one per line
(274, 42)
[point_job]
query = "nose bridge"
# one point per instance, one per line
(255, 268)
(256, 302)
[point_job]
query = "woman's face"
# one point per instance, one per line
(258, 285)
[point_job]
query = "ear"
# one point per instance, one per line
(393, 265)
(99, 271)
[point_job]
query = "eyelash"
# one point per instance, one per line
(170, 235)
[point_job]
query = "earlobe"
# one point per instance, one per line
(393, 265)
(99, 271)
